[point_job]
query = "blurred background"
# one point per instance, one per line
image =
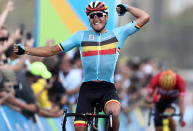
(165, 42)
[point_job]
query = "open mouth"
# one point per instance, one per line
(97, 23)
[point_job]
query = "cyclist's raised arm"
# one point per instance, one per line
(39, 51)
(70, 43)
(141, 16)
(123, 32)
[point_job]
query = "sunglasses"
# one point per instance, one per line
(98, 14)
(3, 38)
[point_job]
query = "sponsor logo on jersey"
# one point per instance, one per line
(91, 37)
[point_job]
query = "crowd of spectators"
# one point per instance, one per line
(29, 84)
(43, 86)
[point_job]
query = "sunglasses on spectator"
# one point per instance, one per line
(3, 38)
(98, 14)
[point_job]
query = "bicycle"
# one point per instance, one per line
(165, 119)
(92, 119)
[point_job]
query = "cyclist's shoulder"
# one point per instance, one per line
(179, 78)
(126, 30)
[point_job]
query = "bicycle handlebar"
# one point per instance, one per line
(87, 116)
(166, 115)
(161, 115)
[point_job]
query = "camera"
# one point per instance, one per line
(5, 61)
(17, 86)
(28, 35)
(22, 28)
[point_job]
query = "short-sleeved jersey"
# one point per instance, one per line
(99, 51)
(178, 90)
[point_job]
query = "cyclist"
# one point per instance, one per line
(99, 49)
(165, 89)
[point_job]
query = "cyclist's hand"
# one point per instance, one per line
(121, 9)
(19, 49)
(181, 121)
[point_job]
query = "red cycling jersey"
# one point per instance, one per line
(178, 90)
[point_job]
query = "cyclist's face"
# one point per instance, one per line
(98, 21)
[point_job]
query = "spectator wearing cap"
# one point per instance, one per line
(37, 70)
(6, 80)
(40, 87)
(7, 92)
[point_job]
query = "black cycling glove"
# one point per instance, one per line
(21, 49)
(123, 9)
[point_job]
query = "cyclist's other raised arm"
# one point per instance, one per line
(141, 16)
(43, 51)
(39, 51)
(70, 43)
(123, 32)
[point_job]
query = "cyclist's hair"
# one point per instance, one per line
(96, 6)
(167, 79)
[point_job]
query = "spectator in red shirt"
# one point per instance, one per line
(165, 89)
